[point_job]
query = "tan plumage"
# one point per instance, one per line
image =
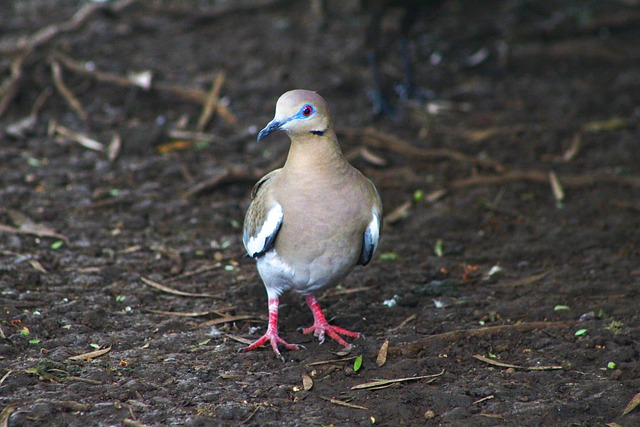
(310, 222)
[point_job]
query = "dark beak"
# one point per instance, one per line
(270, 128)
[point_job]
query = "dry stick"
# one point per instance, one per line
(343, 403)
(185, 93)
(212, 102)
(63, 89)
(377, 139)
(380, 140)
(415, 347)
(542, 177)
(511, 365)
(200, 270)
(45, 34)
(25, 45)
(10, 86)
(174, 291)
(226, 176)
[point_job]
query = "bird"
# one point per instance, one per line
(312, 221)
(413, 10)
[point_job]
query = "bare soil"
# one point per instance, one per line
(482, 264)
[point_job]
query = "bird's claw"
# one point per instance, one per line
(275, 340)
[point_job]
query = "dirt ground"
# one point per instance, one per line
(507, 280)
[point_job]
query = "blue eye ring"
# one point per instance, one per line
(307, 110)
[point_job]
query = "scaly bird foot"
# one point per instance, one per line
(334, 332)
(275, 339)
(321, 327)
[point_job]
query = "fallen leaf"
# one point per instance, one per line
(635, 401)
(307, 382)
(382, 354)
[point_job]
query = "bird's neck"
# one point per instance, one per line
(310, 154)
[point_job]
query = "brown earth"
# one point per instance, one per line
(490, 262)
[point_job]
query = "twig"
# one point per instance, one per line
(200, 270)
(226, 176)
(250, 415)
(83, 380)
(212, 102)
(375, 138)
(325, 362)
(85, 141)
(509, 365)
(484, 399)
(25, 45)
(42, 36)
(5, 376)
(510, 284)
(174, 291)
(222, 312)
(343, 403)
(382, 383)
(415, 347)
(404, 322)
(542, 177)
(226, 319)
(66, 93)
(10, 86)
(185, 93)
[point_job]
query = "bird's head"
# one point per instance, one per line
(299, 112)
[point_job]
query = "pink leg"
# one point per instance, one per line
(321, 326)
(272, 333)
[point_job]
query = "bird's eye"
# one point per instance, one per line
(307, 110)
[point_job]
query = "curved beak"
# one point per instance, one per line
(271, 127)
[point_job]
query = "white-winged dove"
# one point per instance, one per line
(312, 221)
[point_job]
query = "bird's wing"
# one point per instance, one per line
(371, 235)
(263, 219)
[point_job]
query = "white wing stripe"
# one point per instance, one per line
(257, 243)
(374, 229)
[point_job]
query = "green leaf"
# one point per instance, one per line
(34, 341)
(33, 162)
(389, 256)
(357, 364)
(561, 308)
(580, 332)
(57, 244)
(120, 298)
(611, 365)
(418, 196)
(96, 346)
(437, 249)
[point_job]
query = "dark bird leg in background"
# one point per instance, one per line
(413, 10)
